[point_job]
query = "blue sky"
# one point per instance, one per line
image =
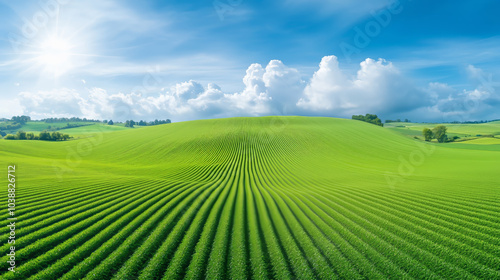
(203, 59)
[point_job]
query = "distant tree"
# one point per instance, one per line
(105, 121)
(10, 137)
(129, 123)
(21, 135)
(439, 133)
(111, 122)
(2, 133)
(427, 134)
(55, 136)
(58, 136)
(370, 118)
(30, 136)
(21, 119)
(45, 135)
(407, 120)
(73, 119)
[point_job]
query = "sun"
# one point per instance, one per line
(55, 55)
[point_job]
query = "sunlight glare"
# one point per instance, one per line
(55, 55)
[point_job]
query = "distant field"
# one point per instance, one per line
(464, 131)
(484, 141)
(41, 126)
(94, 128)
(78, 132)
(254, 198)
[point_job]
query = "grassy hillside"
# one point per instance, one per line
(261, 198)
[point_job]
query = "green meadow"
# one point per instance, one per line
(255, 198)
(464, 131)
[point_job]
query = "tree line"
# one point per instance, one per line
(21, 119)
(11, 126)
(44, 136)
(17, 122)
(131, 123)
(397, 120)
(66, 120)
(369, 118)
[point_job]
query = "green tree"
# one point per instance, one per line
(21, 135)
(439, 133)
(21, 119)
(370, 118)
(30, 136)
(129, 123)
(427, 134)
(45, 135)
(54, 136)
(111, 122)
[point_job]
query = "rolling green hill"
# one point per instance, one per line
(260, 198)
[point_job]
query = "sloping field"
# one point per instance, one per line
(261, 198)
(484, 141)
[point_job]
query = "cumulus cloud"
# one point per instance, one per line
(377, 87)
(64, 102)
(276, 89)
(455, 105)
(271, 90)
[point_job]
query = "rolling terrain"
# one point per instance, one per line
(260, 198)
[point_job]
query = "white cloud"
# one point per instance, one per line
(10, 108)
(56, 103)
(377, 87)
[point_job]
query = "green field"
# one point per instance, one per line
(94, 128)
(88, 129)
(259, 198)
(464, 131)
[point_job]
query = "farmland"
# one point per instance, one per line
(464, 131)
(260, 198)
